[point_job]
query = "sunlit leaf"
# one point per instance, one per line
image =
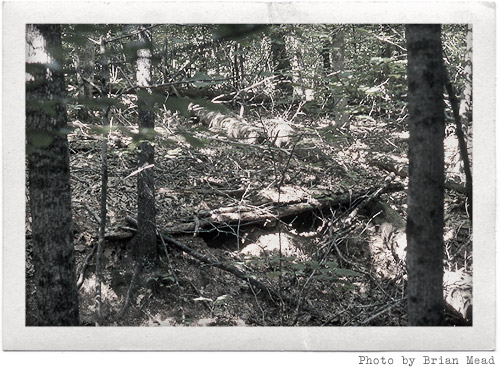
(346, 272)
(222, 299)
(173, 153)
(198, 299)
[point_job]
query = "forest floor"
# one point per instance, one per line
(330, 267)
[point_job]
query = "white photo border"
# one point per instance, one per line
(16, 336)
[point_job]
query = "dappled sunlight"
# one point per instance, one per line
(286, 194)
(274, 242)
(256, 178)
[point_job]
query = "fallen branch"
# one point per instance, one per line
(347, 221)
(228, 216)
(461, 139)
(126, 304)
(402, 171)
(85, 264)
(272, 294)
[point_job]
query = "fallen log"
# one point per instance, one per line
(268, 212)
(231, 124)
(230, 216)
(277, 132)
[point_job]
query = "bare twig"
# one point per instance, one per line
(461, 139)
(271, 293)
(384, 310)
(85, 264)
(179, 290)
(126, 303)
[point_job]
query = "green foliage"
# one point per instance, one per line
(237, 32)
(454, 40)
(144, 135)
(374, 73)
(94, 104)
(47, 107)
(37, 139)
(180, 105)
(187, 137)
(291, 266)
(214, 304)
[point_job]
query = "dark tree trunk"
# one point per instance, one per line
(325, 55)
(145, 245)
(104, 185)
(426, 175)
(338, 53)
(466, 103)
(281, 63)
(164, 57)
(386, 52)
(236, 67)
(48, 175)
(85, 69)
(466, 118)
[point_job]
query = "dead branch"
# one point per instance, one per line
(85, 264)
(461, 139)
(126, 303)
(402, 171)
(271, 293)
(223, 217)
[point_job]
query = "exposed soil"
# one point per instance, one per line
(359, 282)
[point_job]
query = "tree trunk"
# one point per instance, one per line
(425, 222)
(281, 63)
(297, 64)
(325, 55)
(145, 245)
(386, 53)
(85, 68)
(164, 58)
(48, 175)
(466, 103)
(237, 66)
(466, 113)
(338, 51)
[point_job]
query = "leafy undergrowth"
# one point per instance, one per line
(324, 268)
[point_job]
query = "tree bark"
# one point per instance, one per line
(49, 179)
(281, 63)
(325, 55)
(462, 144)
(466, 102)
(85, 68)
(425, 222)
(338, 52)
(145, 246)
(224, 217)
